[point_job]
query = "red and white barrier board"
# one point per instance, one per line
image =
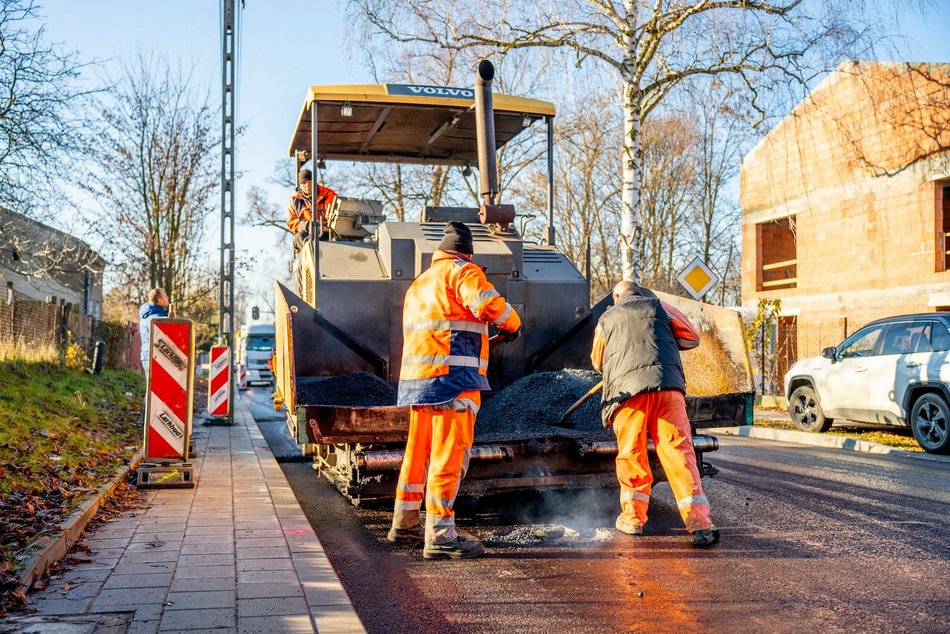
(242, 376)
(219, 383)
(168, 408)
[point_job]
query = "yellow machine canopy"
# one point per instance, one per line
(405, 123)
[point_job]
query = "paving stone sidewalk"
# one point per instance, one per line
(235, 553)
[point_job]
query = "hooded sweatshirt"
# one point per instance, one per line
(146, 313)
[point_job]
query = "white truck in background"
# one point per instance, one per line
(255, 349)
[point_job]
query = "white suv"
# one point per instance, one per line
(893, 371)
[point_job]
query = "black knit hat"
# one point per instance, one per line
(458, 237)
(305, 175)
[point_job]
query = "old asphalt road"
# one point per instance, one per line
(813, 540)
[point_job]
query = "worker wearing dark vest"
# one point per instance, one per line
(636, 348)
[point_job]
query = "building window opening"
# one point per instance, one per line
(777, 244)
(944, 241)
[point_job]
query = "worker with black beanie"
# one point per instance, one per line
(445, 321)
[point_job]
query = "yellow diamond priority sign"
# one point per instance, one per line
(697, 278)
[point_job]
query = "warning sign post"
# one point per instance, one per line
(219, 382)
(168, 404)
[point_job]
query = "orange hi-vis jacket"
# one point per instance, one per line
(445, 328)
(299, 208)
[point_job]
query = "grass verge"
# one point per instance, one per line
(63, 434)
(898, 437)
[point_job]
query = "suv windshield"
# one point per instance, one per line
(260, 342)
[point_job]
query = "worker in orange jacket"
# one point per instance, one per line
(636, 348)
(444, 365)
(300, 217)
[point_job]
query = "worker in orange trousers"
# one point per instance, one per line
(446, 314)
(637, 347)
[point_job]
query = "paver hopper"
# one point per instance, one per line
(345, 312)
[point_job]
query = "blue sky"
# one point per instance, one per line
(285, 47)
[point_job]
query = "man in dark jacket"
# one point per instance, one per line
(636, 348)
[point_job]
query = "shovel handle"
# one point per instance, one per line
(573, 408)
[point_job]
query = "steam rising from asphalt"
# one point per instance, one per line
(562, 517)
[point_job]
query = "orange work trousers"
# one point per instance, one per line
(436, 459)
(662, 415)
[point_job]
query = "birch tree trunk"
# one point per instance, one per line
(632, 146)
(632, 178)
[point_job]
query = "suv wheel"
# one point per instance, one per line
(805, 410)
(930, 422)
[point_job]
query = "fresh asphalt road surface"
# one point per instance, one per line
(812, 540)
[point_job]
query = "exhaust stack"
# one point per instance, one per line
(501, 216)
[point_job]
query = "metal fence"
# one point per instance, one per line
(779, 344)
(43, 330)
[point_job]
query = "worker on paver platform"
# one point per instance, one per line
(444, 365)
(300, 216)
(636, 348)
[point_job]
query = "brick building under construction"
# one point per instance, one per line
(846, 205)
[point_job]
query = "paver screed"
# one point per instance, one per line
(234, 553)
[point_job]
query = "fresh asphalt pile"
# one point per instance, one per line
(359, 389)
(536, 534)
(520, 411)
(525, 408)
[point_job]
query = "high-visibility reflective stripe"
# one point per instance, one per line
(446, 324)
(405, 487)
(466, 459)
(408, 505)
(435, 359)
(440, 530)
(440, 503)
(443, 522)
(465, 403)
(504, 316)
(692, 500)
(483, 297)
(634, 495)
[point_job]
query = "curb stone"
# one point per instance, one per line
(50, 549)
(830, 441)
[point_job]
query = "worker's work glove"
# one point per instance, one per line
(304, 227)
(300, 238)
(508, 336)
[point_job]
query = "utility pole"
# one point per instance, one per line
(226, 282)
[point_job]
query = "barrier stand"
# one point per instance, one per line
(168, 408)
(219, 382)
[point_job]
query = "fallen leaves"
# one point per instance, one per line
(63, 434)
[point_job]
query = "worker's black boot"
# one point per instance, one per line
(706, 538)
(458, 548)
(414, 535)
